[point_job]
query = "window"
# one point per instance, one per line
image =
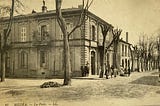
(24, 59)
(128, 51)
(93, 32)
(44, 32)
(122, 49)
(125, 63)
(23, 34)
(122, 63)
(125, 50)
(69, 28)
(42, 58)
(7, 61)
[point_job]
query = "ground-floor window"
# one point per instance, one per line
(42, 58)
(7, 61)
(122, 63)
(24, 59)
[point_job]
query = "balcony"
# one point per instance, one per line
(41, 40)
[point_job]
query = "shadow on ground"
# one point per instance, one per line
(155, 73)
(147, 80)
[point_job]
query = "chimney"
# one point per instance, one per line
(44, 8)
(127, 37)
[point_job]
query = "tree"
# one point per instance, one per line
(66, 49)
(158, 49)
(4, 44)
(146, 47)
(116, 33)
(104, 49)
(105, 30)
(132, 57)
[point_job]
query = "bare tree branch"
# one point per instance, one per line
(82, 17)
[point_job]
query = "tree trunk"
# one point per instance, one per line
(115, 55)
(103, 58)
(3, 46)
(3, 66)
(66, 50)
(131, 59)
(138, 62)
(66, 63)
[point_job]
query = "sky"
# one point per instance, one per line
(136, 17)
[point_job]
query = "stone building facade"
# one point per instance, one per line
(36, 44)
(124, 53)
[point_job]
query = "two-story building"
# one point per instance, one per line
(124, 53)
(36, 43)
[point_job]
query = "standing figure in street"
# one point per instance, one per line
(112, 71)
(129, 71)
(121, 71)
(107, 72)
(83, 71)
(86, 69)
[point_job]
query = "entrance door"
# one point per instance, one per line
(93, 63)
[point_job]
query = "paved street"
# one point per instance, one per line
(138, 89)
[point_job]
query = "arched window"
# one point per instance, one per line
(24, 59)
(93, 32)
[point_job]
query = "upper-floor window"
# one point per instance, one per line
(93, 32)
(125, 50)
(128, 51)
(44, 32)
(23, 34)
(69, 28)
(122, 49)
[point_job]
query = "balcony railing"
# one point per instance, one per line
(41, 41)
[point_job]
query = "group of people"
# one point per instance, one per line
(85, 70)
(109, 72)
(125, 71)
(112, 72)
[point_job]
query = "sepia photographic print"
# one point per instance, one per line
(79, 52)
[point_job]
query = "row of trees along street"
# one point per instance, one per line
(147, 52)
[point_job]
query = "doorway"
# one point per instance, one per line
(93, 63)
